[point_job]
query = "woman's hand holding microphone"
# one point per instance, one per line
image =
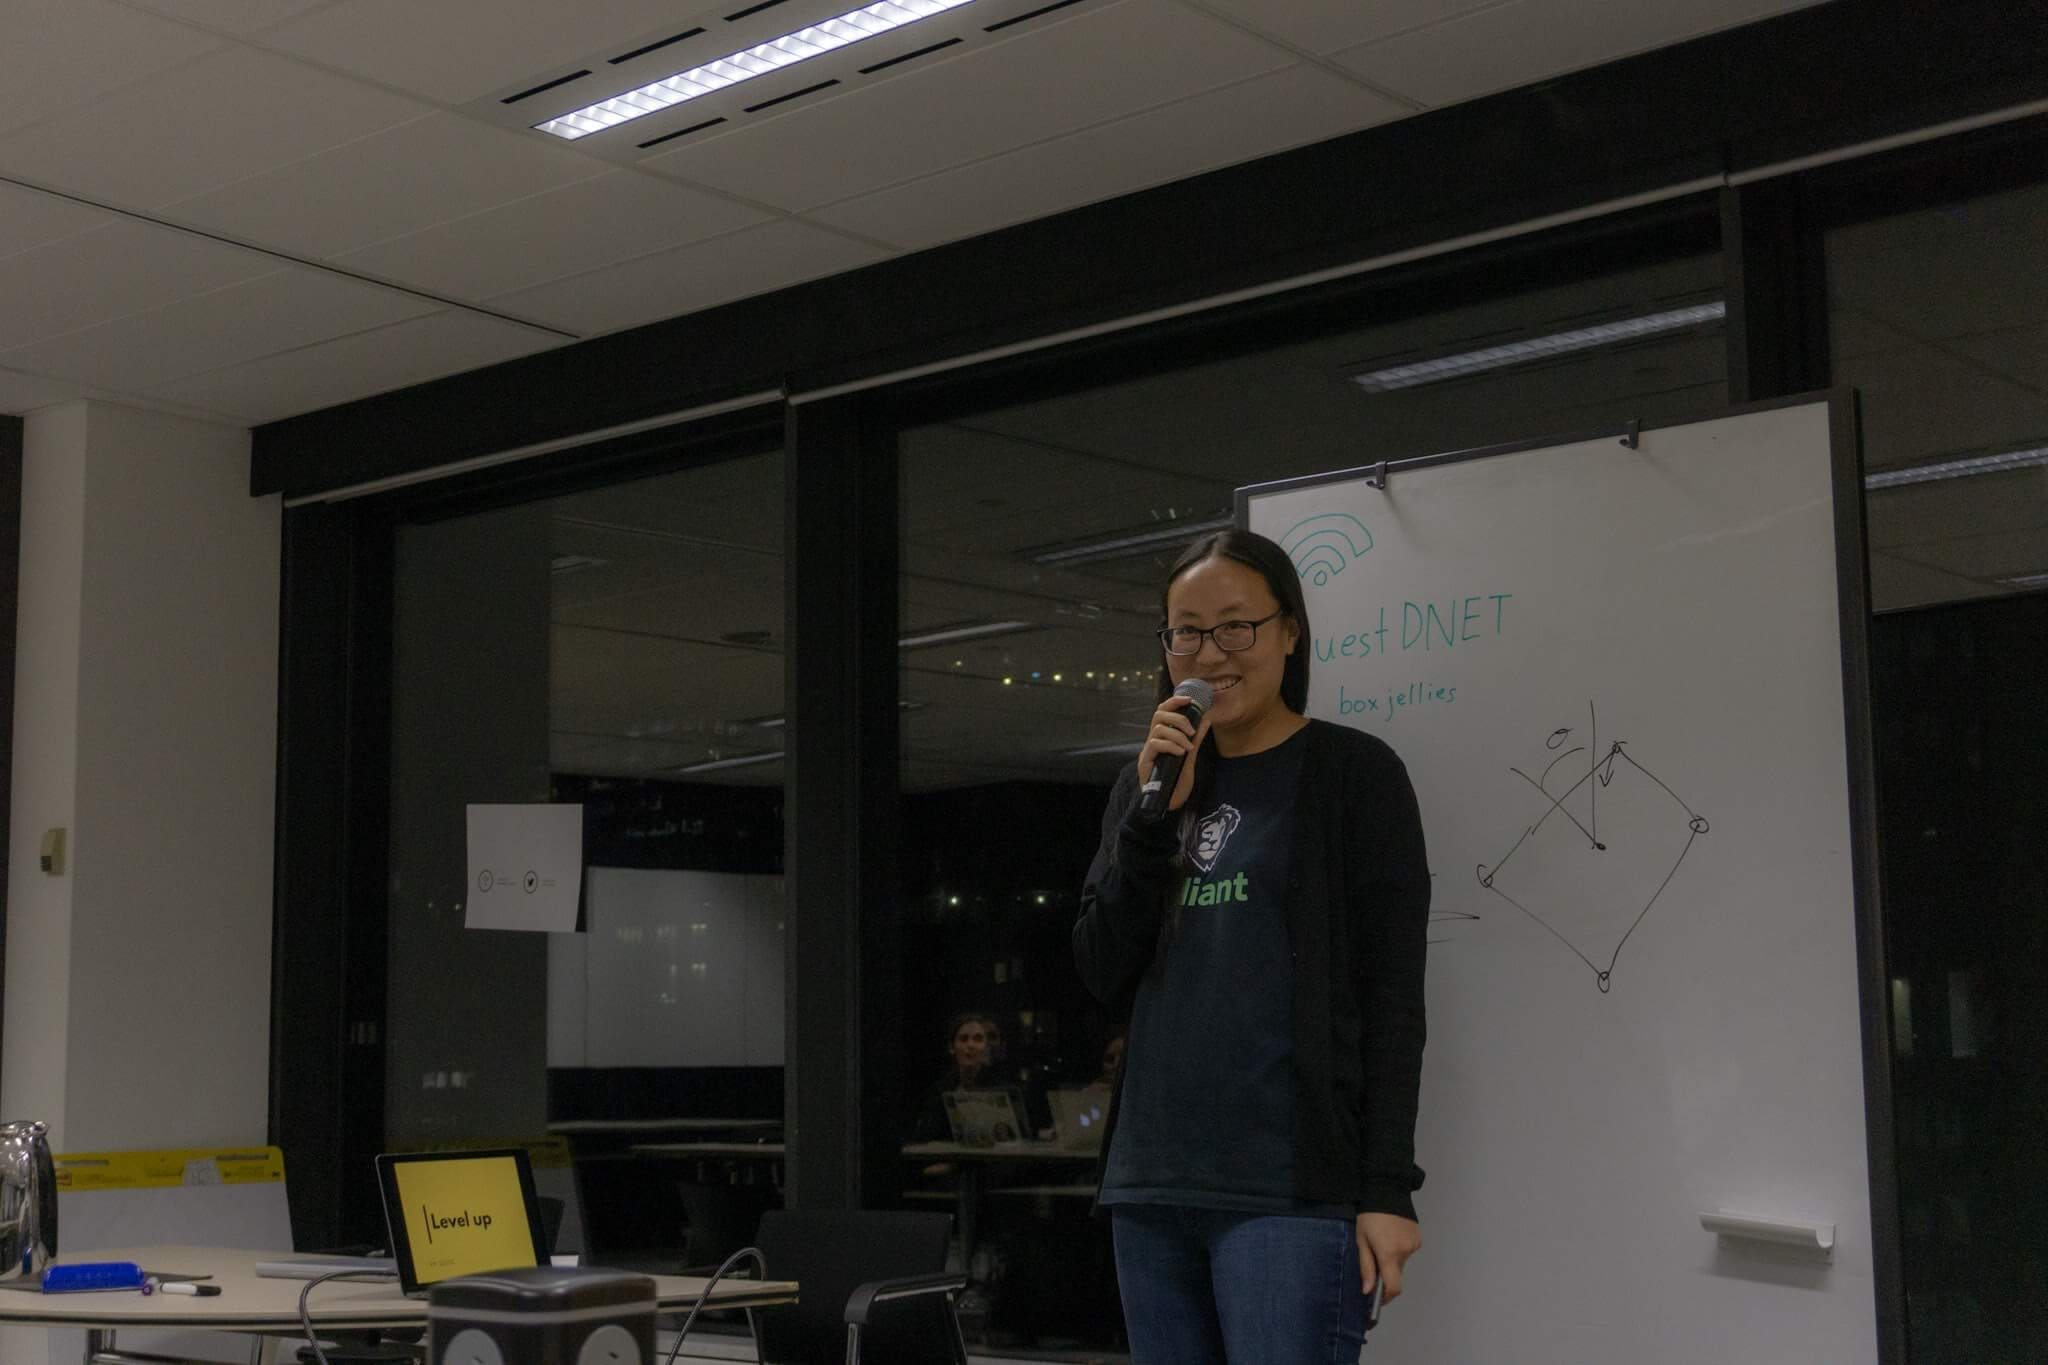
(1173, 733)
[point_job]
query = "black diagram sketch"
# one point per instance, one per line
(1656, 816)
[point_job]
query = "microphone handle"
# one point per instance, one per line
(1155, 794)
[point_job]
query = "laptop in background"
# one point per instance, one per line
(1078, 1115)
(985, 1118)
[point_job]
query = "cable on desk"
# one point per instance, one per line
(306, 1318)
(760, 1264)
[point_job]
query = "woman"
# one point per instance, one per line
(974, 1044)
(1266, 938)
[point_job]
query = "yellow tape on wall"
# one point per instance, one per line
(180, 1166)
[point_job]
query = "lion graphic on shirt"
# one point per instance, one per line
(1212, 832)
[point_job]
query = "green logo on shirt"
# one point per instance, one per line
(1229, 891)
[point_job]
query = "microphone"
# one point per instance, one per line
(1154, 795)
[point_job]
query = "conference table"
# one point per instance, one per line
(249, 1303)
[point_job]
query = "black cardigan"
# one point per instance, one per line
(1357, 907)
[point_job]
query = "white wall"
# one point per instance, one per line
(138, 984)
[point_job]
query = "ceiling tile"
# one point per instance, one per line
(21, 392)
(81, 49)
(233, 113)
(1102, 64)
(1218, 128)
(125, 267)
(613, 217)
(1324, 26)
(1528, 40)
(753, 261)
(356, 366)
(291, 308)
(238, 17)
(457, 50)
(30, 218)
(394, 182)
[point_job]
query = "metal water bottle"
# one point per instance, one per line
(28, 1200)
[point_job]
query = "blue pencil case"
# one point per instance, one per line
(73, 1279)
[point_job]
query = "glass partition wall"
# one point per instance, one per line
(617, 648)
(1939, 317)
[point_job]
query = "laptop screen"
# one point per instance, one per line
(459, 1213)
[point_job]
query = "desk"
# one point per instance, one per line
(972, 1161)
(249, 1303)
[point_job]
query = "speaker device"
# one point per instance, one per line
(542, 1315)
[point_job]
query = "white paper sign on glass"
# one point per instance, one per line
(525, 867)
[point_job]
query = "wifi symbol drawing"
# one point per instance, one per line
(1323, 544)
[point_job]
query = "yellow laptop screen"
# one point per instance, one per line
(463, 1215)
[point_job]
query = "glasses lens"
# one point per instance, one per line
(1235, 635)
(1181, 641)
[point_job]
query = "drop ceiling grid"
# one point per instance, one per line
(398, 181)
(457, 51)
(231, 114)
(333, 371)
(82, 50)
(617, 216)
(1236, 122)
(1051, 78)
(734, 265)
(230, 18)
(122, 268)
(241, 322)
(1480, 51)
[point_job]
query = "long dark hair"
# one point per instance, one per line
(1271, 563)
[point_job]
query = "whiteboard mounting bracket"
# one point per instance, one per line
(1633, 438)
(1378, 477)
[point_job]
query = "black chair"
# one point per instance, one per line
(869, 1281)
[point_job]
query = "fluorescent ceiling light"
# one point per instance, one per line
(1538, 348)
(736, 761)
(1958, 469)
(825, 36)
(972, 630)
(1128, 543)
(2027, 580)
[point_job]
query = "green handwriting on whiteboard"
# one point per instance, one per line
(1387, 703)
(1322, 545)
(1425, 626)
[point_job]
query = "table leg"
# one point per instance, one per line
(968, 1213)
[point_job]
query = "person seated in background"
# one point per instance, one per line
(1112, 1061)
(974, 1044)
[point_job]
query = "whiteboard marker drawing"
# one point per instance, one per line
(1644, 802)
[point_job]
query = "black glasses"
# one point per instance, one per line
(1230, 636)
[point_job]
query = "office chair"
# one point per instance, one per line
(870, 1281)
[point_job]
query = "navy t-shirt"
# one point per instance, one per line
(1206, 1116)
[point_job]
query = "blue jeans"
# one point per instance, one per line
(1206, 1287)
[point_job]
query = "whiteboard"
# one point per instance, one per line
(1616, 674)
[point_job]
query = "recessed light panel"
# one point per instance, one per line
(814, 40)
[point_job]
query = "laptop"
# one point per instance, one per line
(1078, 1115)
(986, 1118)
(445, 1214)
(459, 1213)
